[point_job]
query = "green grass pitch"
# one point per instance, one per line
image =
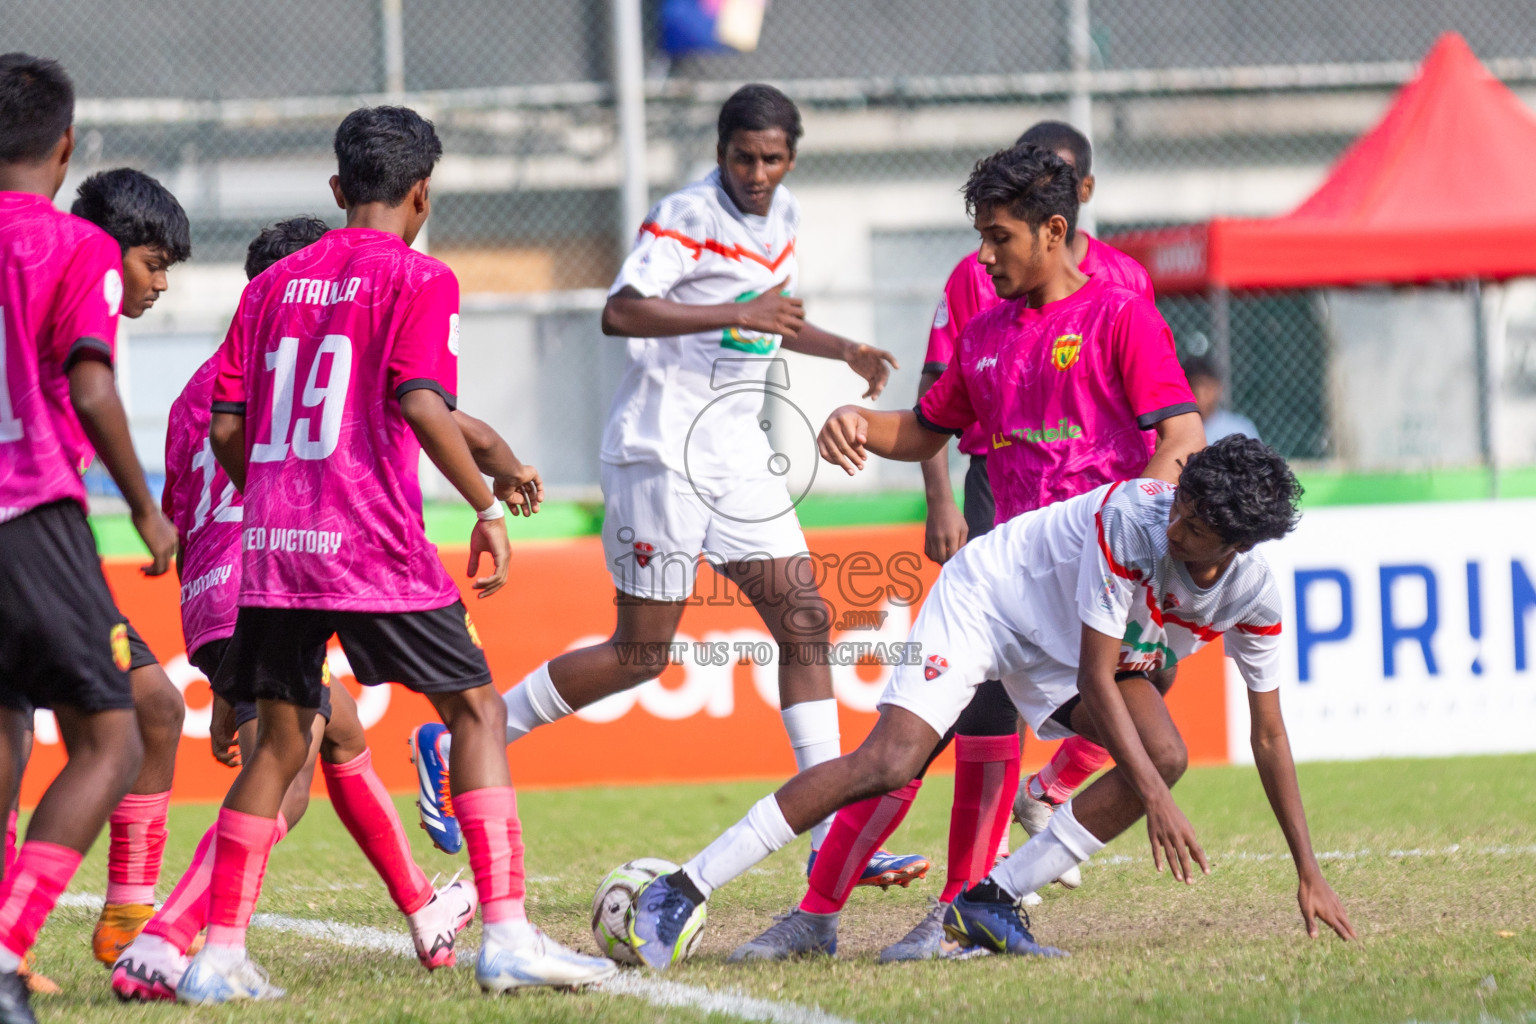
(1435, 859)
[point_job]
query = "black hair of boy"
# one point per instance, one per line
(37, 106)
(135, 209)
(757, 108)
(280, 239)
(1242, 489)
(1031, 183)
(382, 152)
(1057, 136)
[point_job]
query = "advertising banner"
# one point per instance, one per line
(1409, 632)
(712, 715)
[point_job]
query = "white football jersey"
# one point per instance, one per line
(696, 247)
(1101, 560)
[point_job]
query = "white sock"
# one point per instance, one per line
(154, 945)
(754, 837)
(532, 703)
(223, 957)
(509, 934)
(813, 732)
(1063, 845)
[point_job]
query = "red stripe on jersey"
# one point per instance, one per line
(730, 252)
(1098, 521)
(1205, 633)
(1274, 630)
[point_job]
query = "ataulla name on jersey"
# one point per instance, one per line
(1062, 431)
(302, 542)
(321, 293)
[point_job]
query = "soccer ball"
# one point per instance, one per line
(614, 903)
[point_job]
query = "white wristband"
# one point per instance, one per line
(496, 511)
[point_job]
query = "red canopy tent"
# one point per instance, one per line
(1442, 188)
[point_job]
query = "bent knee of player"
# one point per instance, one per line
(1170, 756)
(157, 703)
(476, 710)
(880, 765)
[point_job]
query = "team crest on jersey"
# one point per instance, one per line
(474, 634)
(748, 341)
(941, 315)
(643, 553)
(934, 667)
(1065, 349)
(121, 655)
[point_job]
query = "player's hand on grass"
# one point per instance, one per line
(1173, 837)
(773, 312)
(489, 537)
(522, 490)
(159, 536)
(842, 437)
(873, 364)
(945, 532)
(1319, 903)
(221, 733)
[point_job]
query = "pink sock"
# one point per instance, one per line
(28, 894)
(494, 835)
(137, 829)
(364, 806)
(241, 845)
(185, 910)
(1075, 761)
(10, 844)
(856, 833)
(986, 778)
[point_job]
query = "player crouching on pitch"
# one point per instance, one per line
(1070, 606)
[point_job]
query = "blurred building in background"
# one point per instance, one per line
(1197, 109)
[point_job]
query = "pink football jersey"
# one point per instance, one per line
(969, 291)
(61, 286)
(322, 346)
(203, 505)
(1065, 395)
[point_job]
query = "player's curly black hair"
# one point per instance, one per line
(382, 152)
(283, 238)
(1031, 183)
(135, 209)
(1242, 489)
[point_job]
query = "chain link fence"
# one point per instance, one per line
(1199, 108)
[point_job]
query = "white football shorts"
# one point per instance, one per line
(657, 522)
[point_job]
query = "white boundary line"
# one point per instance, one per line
(667, 995)
(1454, 849)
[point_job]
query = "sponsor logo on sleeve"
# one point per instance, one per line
(1065, 350)
(934, 667)
(112, 291)
(453, 334)
(941, 315)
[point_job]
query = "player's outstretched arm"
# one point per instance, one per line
(512, 480)
(628, 314)
(93, 393)
(873, 364)
(852, 433)
(1178, 437)
(1277, 770)
(1169, 832)
(440, 437)
(945, 530)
